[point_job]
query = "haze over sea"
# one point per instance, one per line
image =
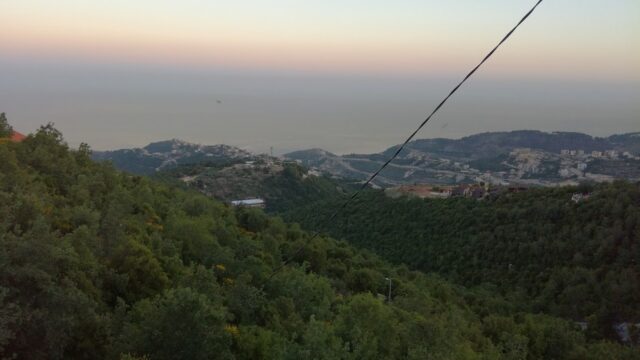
(346, 76)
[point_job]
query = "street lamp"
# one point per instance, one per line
(389, 297)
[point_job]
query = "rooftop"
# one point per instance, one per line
(17, 137)
(247, 202)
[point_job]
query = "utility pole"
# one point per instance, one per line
(271, 151)
(389, 297)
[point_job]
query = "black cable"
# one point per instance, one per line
(437, 108)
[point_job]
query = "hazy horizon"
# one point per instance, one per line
(345, 76)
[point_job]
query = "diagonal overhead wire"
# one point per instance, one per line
(413, 134)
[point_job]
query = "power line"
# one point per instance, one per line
(413, 134)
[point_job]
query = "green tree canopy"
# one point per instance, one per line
(5, 129)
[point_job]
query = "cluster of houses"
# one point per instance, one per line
(474, 191)
(607, 154)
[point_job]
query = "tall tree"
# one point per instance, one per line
(5, 129)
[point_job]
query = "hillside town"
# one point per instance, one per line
(474, 191)
(479, 191)
(569, 167)
(527, 166)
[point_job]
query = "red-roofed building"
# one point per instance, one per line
(17, 137)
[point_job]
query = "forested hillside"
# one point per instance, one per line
(282, 185)
(163, 155)
(575, 260)
(97, 264)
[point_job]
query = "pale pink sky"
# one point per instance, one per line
(574, 38)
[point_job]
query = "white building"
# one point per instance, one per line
(254, 203)
(578, 197)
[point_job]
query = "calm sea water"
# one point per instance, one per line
(126, 106)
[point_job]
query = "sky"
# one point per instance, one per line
(343, 75)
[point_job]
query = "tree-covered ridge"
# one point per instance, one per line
(5, 129)
(163, 155)
(575, 260)
(97, 264)
(283, 185)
